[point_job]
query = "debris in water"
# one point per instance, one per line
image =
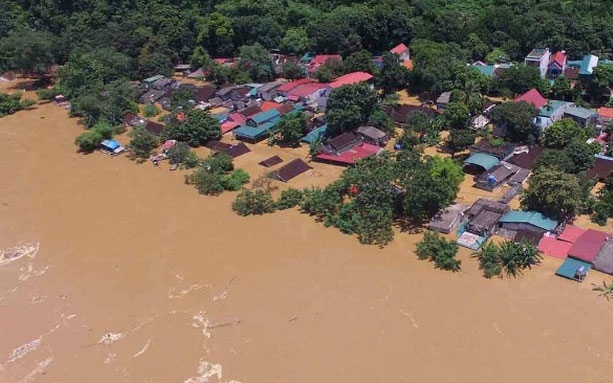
(206, 370)
(111, 338)
(143, 350)
(172, 294)
(110, 358)
(37, 371)
(14, 253)
(221, 297)
(202, 322)
(24, 349)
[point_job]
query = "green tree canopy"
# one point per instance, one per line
(296, 41)
(360, 61)
(28, 51)
(350, 106)
(255, 60)
(291, 128)
(392, 76)
(517, 118)
(562, 132)
(195, 127)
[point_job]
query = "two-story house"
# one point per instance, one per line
(539, 58)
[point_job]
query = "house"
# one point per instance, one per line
(479, 122)
(585, 66)
(148, 82)
(515, 221)
(498, 175)
(315, 135)
(551, 112)
(557, 64)
(154, 127)
(284, 89)
(479, 163)
(447, 219)
(255, 134)
(502, 152)
(350, 155)
(292, 169)
(605, 115)
(311, 93)
(533, 97)
(604, 258)
(583, 116)
(574, 269)
(559, 246)
(526, 158)
(539, 58)
(233, 121)
(443, 100)
(483, 216)
(268, 90)
(351, 78)
(402, 51)
(401, 113)
(588, 245)
(601, 170)
(237, 150)
(111, 147)
(203, 93)
(225, 93)
(250, 111)
(372, 135)
(263, 117)
(320, 60)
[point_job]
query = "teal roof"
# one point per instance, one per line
(587, 64)
(481, 159)
(554, 105)
(256, 133)
(486, 70)
(531, 217)
(580, 112)
(574, 63)
(570, 266)
(265, 116)
(315, 134)
(154, 78)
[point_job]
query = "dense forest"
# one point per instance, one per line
(157, 33)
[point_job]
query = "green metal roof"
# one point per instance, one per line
(554, 105)
(486, 70)
(153, 79)
(481, 159)
(570, 266)
(256, 133)
(530, 217)
(315, 134)
(265, 116)
(580, 112)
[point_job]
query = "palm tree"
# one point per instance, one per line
(606, 290)
(528, 255)
(510, 261)
(489, 259)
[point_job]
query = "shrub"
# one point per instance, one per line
(151, 111)
(235, 180)
(206, 182)
(289, 198)
(142, 143)
(89, 141)
(218, 163)
(438, 250)
(27, 103)
(249, 202)
(47, 94)
(191, 161)
(489, 260)
(178, 153)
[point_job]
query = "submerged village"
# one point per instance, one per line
(401, 159)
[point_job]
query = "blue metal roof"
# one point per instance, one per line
(486, 70)
(256, 133)
(265, 116)
(481, 159)
(315, 134)
(530, 217)
(110, 144)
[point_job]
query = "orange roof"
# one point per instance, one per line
(408, 64)
(268, 105)
(351, 78)
(605, 112)
(399, 49)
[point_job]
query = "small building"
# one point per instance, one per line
(320, 60)
(225, 93)
(351, 155)
(341, 143)
(515, 221)
(583, 116)
(292, 169)
(533, 97)
(447, 219)
(402, 51)
(551, 112)
(604, 258)
(148, 82)
(315, 135)
(483, 216)
(372, 135)
(574, 269)
(400, 114)
(268, 91)
(605, 115)
(111, 147)
(443, 100)
(284, 89)
(501, 151)
(479, 122)
(204, 93)
(525, 159)
(478, 163)
(539, 58)
(601, 170)
(497, 176)
(154, 127)
(263, 117)
(237, 150)
(557, 64)
(257, 133)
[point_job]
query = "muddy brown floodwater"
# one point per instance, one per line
(140, 279)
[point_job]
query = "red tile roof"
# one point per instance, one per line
(532, 97)
(571, 234)
(306, 89)
(321, 59)
(588, 245)
(349, 157)
(399, 49)
(292, 84)
(268, 105)
(559, 57)
(553, 247)
(351, 78)
(234, 121)
(605, 112)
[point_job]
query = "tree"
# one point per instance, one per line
(10, 103)
(291, 129)
(178, 153)
(151, 111)
(392, 76)
(142, 143)
(291, 71)
(380, 120)
(562, 132)
(520, 79)
(289, 198)
(460, 140)
(600, 82)
(456, 116)
(201, 58)
(497, 56)
(255, 60)
(108, 103)
(516, 257)
(152, 64)
(296, 41)
(215, 174)
(216, 33)
(89, 141)
(517, 118)
(28, 51)
(581, 155)
(423, 127)
(360, 61)
(250, 202)
(554, 193)
(349, 106)
(489, 260)
(468, 93)
(329, 71)
(437, 249)
(195, 127)
(562, 89)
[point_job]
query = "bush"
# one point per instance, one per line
(191, 161)
(47, 94)
(249, 202)
(235, 180)
(218, 163)
(510, 257)
(151, 111)
(489, 260)
(435, 248)
(178, 153)
(89, 141)
(27, 103)
(105, 130)
(289, 198)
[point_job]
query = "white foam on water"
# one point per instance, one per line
(221, 297)
(206, 371)
(143, 350)
(202, 322)
(30, 272)
(111, 337)
(37, 371)
(173, 294)
(24, 349)
(14, 253)
(109, 358)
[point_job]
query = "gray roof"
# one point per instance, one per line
(444, 98)
(604, 259)
(446, 219)
(371, 132)
(580, 112)
(269, 86)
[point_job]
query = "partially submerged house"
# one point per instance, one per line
(258, 127)
(111, 147)
(601, 170)
(558, 246)
(154, 127)
(292, 169)
(346, 149)
(483, 216)
(237, 150)
(443, 100)
(401, 113)
(372, 135)
(516, 221)
(525, 157)
(501, 174)
(604, 258)
(315, 135)
(539, 58)
(446, 220)
(478, 163)
(582, 255)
